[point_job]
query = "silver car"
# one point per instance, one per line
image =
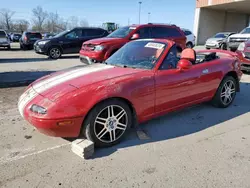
(218, 41)
(4, 39)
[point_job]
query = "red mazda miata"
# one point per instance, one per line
(142, 80)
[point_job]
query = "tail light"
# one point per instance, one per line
(25, 38)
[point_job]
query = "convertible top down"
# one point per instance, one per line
(142, 80)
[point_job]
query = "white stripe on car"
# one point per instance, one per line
(46, 84)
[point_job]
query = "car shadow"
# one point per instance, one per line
(70, 57)
(12, 49)
(182, 123)
(22, 78)
(23, 60)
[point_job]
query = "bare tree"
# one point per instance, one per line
(39, 18)
(84, 23)
(52, 22)
(6, 18)
(72, 22)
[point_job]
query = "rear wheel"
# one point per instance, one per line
(54, 53)
(107, 123)
(9, 47)
(226, 93)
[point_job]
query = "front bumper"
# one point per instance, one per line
(40, 49)
(51, 128)
(87, 61)
(4, 44)
(233, 45)
(213, 45)
(92, 56)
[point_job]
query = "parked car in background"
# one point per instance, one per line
(98, 50)
(190, 43)
(68, 42)
(218, 41)
(28, 39)
(143, 80)
(15, 37)
(4, 40)
(235, 40)
(243, 52)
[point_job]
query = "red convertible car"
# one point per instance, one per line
(142, 80)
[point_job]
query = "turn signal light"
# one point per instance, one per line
(62, 123)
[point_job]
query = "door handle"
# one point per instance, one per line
(205, 71)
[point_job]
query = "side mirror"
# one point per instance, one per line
(135, 36)
(184, 65)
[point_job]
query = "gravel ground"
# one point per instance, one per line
(198, 147)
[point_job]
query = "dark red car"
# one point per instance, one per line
(142, 80)
(98, 50)
(243, 52)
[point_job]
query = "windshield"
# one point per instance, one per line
(138, 54)
(34, 35)
(2, 34)
(245, 31)
(221, 35)
(121, 32)
(61, 34)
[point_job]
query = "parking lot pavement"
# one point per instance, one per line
(18, 66)
(197, 147)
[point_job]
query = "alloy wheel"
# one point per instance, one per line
(111, 123)
(55, 53)
(228, 92)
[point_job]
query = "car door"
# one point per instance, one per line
(70, 41)
(175, 88)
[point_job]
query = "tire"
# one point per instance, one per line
(100, 132)
(207, 48)
(223, 46)
(189, 45)
(55, 53)
(219, 100)
(9, 48)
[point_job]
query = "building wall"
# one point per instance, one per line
(209, 22)
(235, 21)
(203, 3)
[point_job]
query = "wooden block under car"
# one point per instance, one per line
(83, 148)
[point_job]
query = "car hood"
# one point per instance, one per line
(215, 39)
(58, 84)
(39, 40)
(240, 36)
(104, 40)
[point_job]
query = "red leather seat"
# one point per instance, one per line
(189, 54)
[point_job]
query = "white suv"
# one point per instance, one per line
(4, 39)
(190, 38)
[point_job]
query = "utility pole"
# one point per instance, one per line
(149, 17)
(140, 11)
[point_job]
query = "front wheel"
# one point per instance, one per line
(55, 53)
(223, 46)
(108, 123)
(226, 93)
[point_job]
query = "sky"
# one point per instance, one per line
(123, 12)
